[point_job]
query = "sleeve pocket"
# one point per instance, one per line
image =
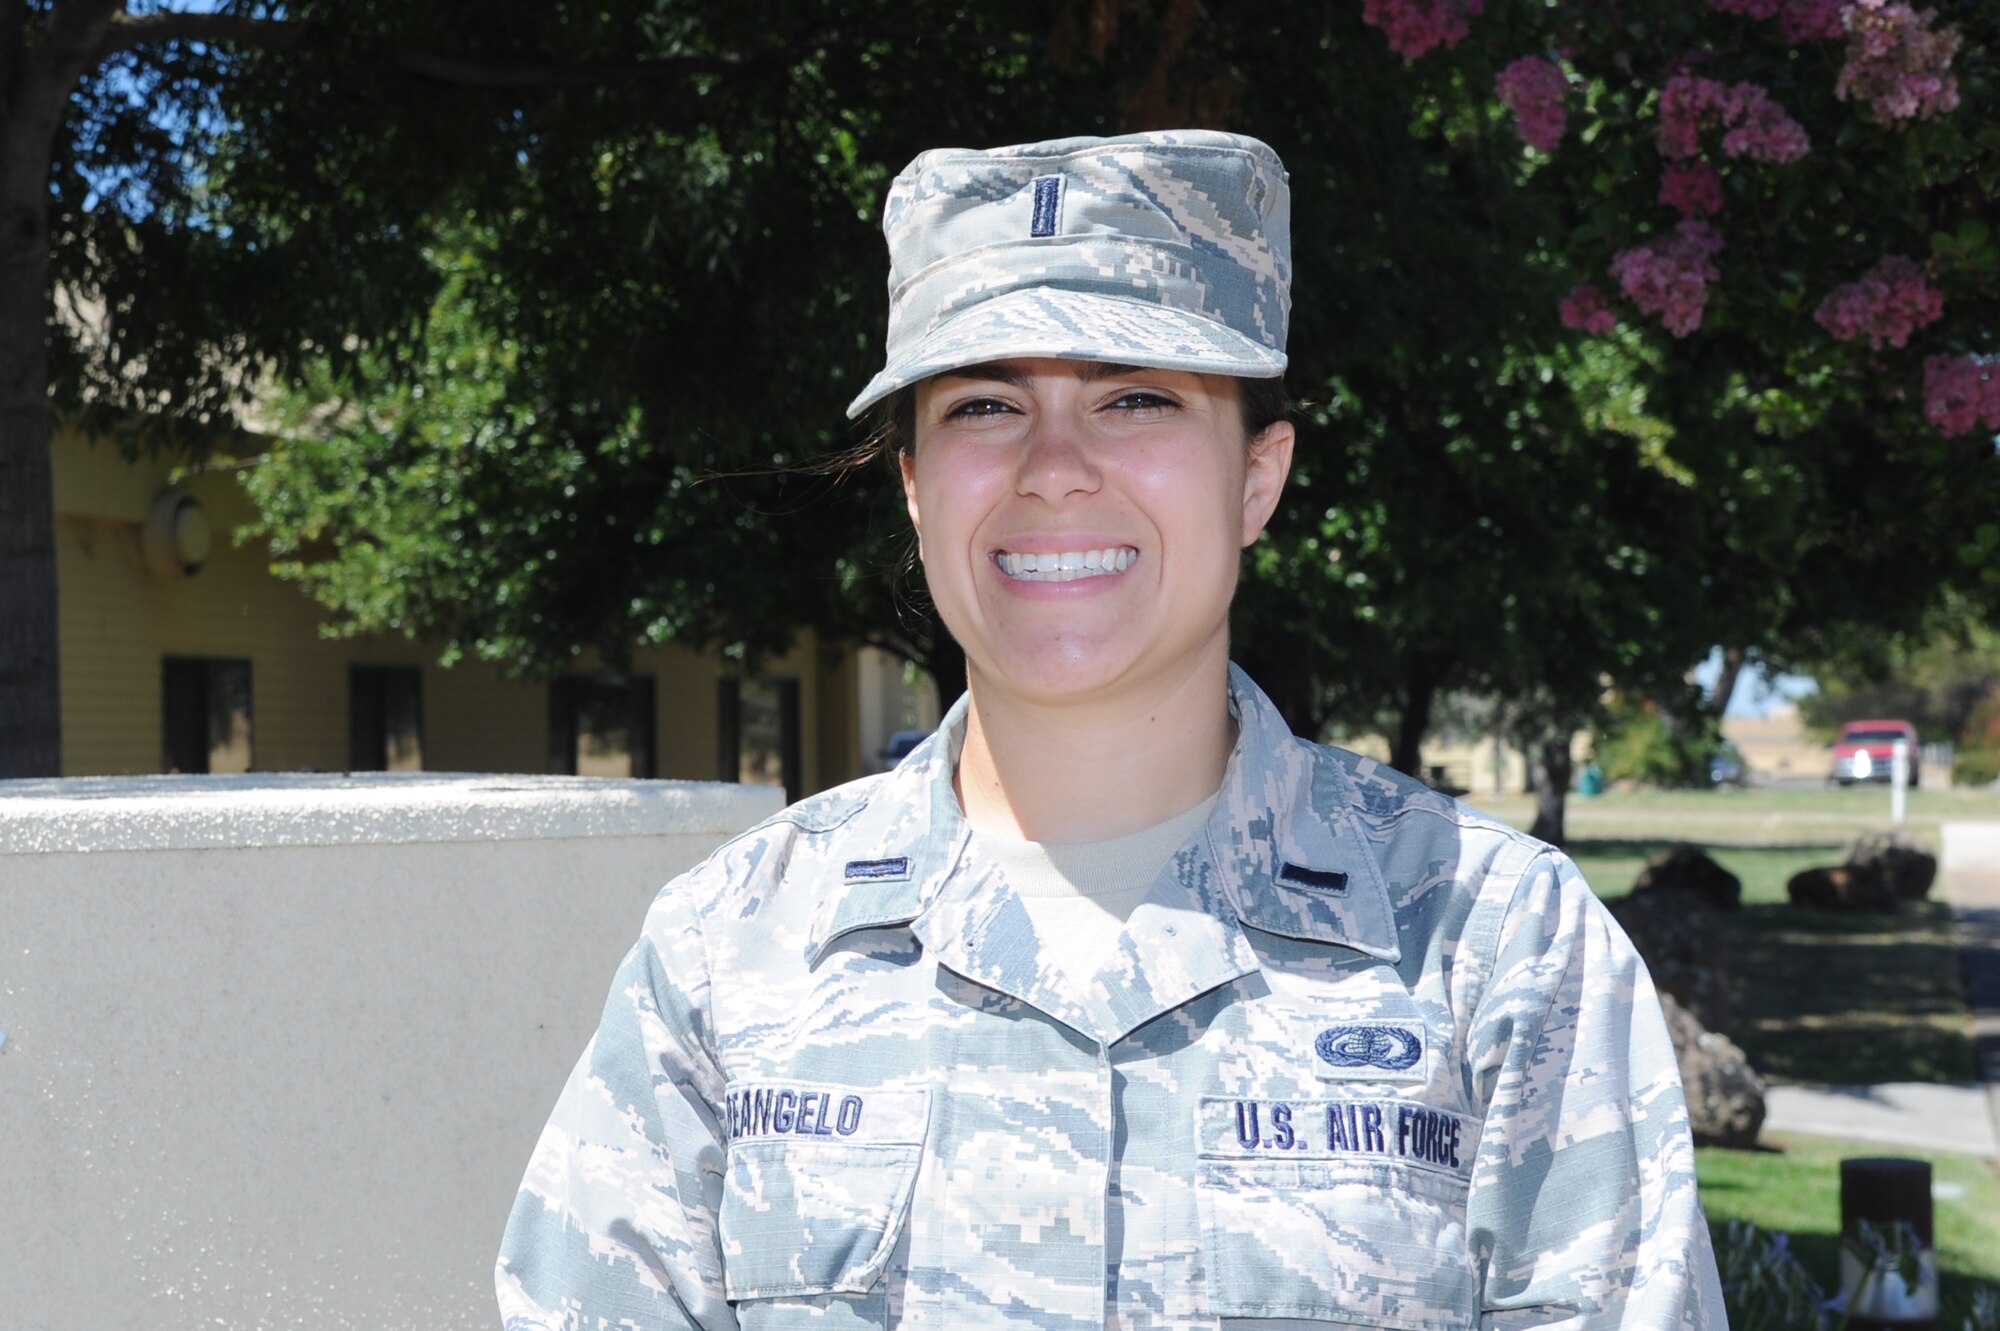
(1370, 1245)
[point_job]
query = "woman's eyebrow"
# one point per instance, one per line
(1095, 370)
(1001, 372)
(995, 371)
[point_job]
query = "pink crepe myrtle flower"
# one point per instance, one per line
(1414, 27)
(1889, 302)
(1669, 275)
(1533, 89)
(1962, 393)
(1896, 64)
(1694, 190)
(1685, 103)
(1814, 20)
(1803, 20)
(1755, 125)
(1584, 308)
(1760, 129)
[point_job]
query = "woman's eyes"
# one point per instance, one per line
(979, 407)
(1137, 401)
(1142, 400)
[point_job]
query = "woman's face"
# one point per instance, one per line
(1080, 523)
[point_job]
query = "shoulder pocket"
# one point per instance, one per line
(1349, 1211)
(818, 1186)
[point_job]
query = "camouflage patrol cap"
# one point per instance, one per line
(1171, 250)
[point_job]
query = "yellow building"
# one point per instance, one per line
(181, 651)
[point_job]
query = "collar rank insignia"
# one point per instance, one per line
(878, 871)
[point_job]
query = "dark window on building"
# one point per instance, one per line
(601, 725)
(385, 719)
(758, 732)
(206, 714)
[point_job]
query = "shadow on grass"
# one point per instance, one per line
(1818, 996)
(1849, 999)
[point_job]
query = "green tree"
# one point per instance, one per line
(1936, 677)
(652, 226)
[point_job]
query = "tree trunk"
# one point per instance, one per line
(1414, 717)
(1725, 682)
(30, 684)
(1552, 773)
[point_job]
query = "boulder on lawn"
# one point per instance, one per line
(1679, 937)
(1690, 867)
(1841, 887)
(1907, 871)
(1725, 1096)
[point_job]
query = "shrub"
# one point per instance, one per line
(1982, 728)
(1644, 743)
(1975, 767)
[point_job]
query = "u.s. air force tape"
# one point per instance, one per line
(796, 1109)
(1362, 1131)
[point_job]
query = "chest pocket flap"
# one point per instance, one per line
(818, 1186)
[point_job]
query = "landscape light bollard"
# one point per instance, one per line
(1899, 779)
(1887, 1192)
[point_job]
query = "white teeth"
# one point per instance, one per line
(1067, 566)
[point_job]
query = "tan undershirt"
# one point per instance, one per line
(1080, 893)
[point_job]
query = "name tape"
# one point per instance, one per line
(838, 1113)
(1351, 1130)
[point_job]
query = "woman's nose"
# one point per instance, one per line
(1057, 461)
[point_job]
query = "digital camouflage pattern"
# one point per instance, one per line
(1364, 1057)
(1170, 250)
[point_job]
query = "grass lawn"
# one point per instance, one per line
(1818, 997)
(1793, 1186)
(1812, 815)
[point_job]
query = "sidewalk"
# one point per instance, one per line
(1910, 1115)
(1964, 1119)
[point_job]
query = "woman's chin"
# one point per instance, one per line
(1064, 673)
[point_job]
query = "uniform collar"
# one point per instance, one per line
(1287, 855)
(1294, 858)
(903, 843)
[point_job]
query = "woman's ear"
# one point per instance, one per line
(1268, 463)
(907, 465)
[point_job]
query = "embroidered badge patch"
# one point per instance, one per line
(1362, 1131)
(811, 1109)
(1366, 1051)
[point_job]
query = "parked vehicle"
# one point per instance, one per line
(1866, 751)
(1726, 766)
(900, 744)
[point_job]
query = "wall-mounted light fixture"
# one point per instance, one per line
(175, 535)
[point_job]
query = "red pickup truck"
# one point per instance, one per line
(1866, 751)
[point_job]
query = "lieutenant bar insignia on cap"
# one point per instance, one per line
(1048, 205)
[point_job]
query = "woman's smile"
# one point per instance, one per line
(1064, 565)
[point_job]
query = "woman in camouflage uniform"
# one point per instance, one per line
(1115, 1004)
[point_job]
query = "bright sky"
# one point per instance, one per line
(1756, 692)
